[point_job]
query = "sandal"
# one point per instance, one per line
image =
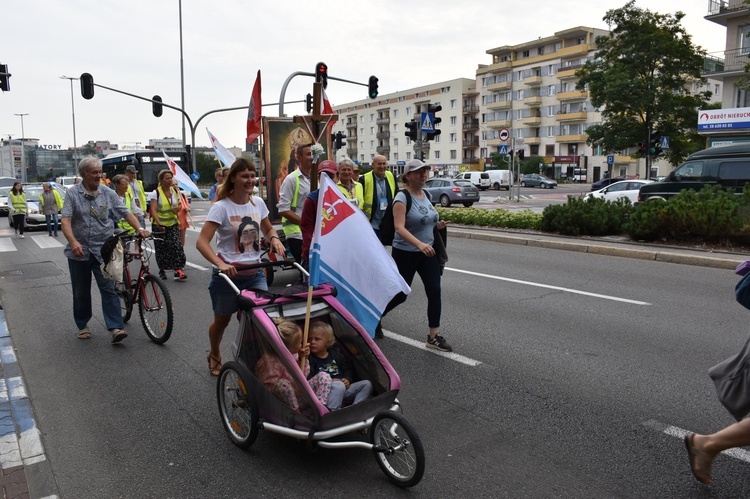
(84, 335)
(214, 364)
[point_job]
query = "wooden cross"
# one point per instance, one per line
(312, 124)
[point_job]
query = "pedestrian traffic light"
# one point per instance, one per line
(4, 78)
(654, 143)
(642, 149)
(87, 86)
(521, 154)
(412, 130)
(372, 87)
(156, 106)
(433, 109)
(321, 74)
(308, 102)
(339, 143)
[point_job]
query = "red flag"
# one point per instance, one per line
(253, 114)
(327, 109)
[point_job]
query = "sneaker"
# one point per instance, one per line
(162, 275)
(23, 237)
(50, 234)
(179, 275)
(55, 234)
(118, 335)
(438, 343)
(379, 331)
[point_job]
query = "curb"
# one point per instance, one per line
(24, 469)
(640, 252)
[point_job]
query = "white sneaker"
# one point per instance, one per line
(23, 237)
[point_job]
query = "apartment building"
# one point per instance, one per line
(731, 123)
(378, 127)
(529, 90)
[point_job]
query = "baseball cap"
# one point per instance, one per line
(131, 168)
(328, 166)
(414, 165)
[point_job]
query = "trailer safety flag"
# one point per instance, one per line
(182, 178)
(345, 252)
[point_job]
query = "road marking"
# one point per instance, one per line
(46, 242)
(6, 244)
(674, 431)
(419, 344)
(547, 286)
(196, 266)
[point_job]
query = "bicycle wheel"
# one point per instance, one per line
(126, 301)
(269, 272)
(155, 308)
(398, 449)
(238, 409)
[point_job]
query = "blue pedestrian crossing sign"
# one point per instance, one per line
(427, 123)
(664, 142)
(502, 150)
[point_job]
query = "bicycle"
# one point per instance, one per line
(152, 296)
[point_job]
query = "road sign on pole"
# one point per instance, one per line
(611, 159)
(664, 142)
(502, 150)
(427, 123)
(504, 134)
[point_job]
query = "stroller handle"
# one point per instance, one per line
(261, 265)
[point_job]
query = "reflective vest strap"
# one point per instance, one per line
(290, 227)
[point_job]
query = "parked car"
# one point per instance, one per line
(34, 219)
(4, 210)
(534, 180)
(7, 181)
(623, 189)
(481, 180)
(727, 166)
(66, 182)
(499, 179)
(608, 181)
(451, 190)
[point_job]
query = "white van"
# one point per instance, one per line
(480, 179)
(499, 179)
(66, 182)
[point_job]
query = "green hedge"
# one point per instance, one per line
(525, 219)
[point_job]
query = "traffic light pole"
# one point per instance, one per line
(302, 73)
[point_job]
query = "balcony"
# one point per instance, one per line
(581, 49)
(470, 143)
(471, 125)
(352, 137)
(383, 135)
(349, 126)
(571, 96)
(499, 66)
(578, 116)
(383, 149)
(471, 161)
(722, 11)
(532, 121)
(503, 104)
(571, 138)
(734, 61)
(568, 72)
(533, 81)
(351, 152)
(471, 109)
(533, 101)
(498, 124)
(497, 87)
(383, 121)
(532, 140)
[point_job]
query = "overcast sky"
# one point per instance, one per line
(134, 46)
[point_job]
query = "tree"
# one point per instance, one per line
(640, 78)
(206, 165)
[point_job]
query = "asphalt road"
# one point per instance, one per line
(574, 375)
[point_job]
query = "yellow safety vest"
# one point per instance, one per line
(58, 200)
(290, 227)
(141, 194)
(167, 217)
(18, 203)
(357, 194)
(128, 204)
(371, 192)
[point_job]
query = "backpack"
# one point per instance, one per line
(387, 227)
(113, 257)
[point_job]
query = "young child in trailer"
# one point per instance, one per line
(272, 373)
(325, 359)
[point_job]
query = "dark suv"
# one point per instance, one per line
(728, 166)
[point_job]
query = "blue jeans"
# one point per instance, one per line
(80, 279)
(51, 219)
(356, 393)
(224, 300)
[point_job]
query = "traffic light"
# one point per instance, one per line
(654, 143)
(156, 107)
(412, 130)
(642, 149)
(433, 109)
(87, 86)
(321, 74)
(309, 102)
(339, 143)
(372, 87)
(4, 78)
(521, 154)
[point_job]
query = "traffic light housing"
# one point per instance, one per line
(87, 86)
(339, 140)
(521, 154)
(654, 143)
(4, 78)
(321, 74)
(309, 102)
(642, 149)
(412, 130)
(433, 109)
(156, 107)
(372, 87)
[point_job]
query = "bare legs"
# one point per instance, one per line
(705, 448)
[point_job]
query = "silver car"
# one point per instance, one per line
(35, 219)
(447, 191)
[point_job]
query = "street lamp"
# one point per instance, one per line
(73, 108)
(23, 148)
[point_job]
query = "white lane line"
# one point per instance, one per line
(419, 344)
(674, 431)
(46, 242)
(196, 266)
(6, 244)
(547, 286)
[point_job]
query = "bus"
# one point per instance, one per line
(148, 162)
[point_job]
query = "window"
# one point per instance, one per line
(362, 118)
(453, 137)
(453, 103)
(408, 156)
(437, 139)
(453, 120)
(361, 131)
(372, 130)
(372, 116)
(524, 54)
(395, 156)
(361, 144)
(437, 154)
(453, 154)
(361, 158)
(395, 113)
(395, 142)
(372, 144)
(408, 111)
